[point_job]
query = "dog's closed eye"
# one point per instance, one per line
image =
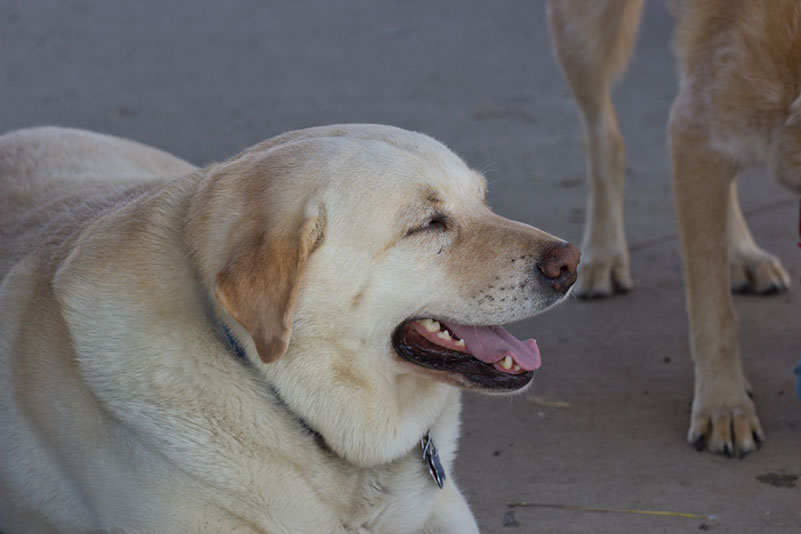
(438, 222)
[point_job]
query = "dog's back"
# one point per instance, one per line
(53, 180)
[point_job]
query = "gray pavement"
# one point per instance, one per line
(205, 79)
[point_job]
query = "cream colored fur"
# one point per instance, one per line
(739, 105)
(124, 408)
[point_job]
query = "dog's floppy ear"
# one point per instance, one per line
(259, 286)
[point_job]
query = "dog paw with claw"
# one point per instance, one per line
(727, 425)
(755, 271)
(601, 274)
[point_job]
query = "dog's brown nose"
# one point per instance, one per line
(559, 266)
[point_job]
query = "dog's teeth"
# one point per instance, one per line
(429, 324)
(460, 343)
(506, 363)
(517, 367)
(444, 334)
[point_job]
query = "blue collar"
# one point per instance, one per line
(240, 352)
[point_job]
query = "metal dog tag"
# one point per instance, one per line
(431, 459)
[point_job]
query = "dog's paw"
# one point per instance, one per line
(727, 426)
(603, 274)
(757, 272)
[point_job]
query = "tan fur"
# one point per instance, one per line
(246, 289)
(739, 104)
(123, 406)
(593, 41)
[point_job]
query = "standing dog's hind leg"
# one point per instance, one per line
(593, 42)
(753, 270)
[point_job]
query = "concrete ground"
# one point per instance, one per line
(204, 79)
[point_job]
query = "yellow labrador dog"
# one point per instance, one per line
(739, 104)
(273, 344)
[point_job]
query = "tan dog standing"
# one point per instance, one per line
(257, 346)
(739, 104)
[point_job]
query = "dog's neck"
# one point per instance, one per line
(241, 355)
(430, 455)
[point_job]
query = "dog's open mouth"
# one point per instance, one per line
(485, 356)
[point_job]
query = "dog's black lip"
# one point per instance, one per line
(472, 371)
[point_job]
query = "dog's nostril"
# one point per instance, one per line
(560, 260)
(559, 265)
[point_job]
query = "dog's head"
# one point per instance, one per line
(362, 265)
(379, 242)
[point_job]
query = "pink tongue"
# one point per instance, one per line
(493, 343)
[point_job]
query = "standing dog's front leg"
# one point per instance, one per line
(723, 415)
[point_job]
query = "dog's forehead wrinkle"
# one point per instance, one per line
(431, 196)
